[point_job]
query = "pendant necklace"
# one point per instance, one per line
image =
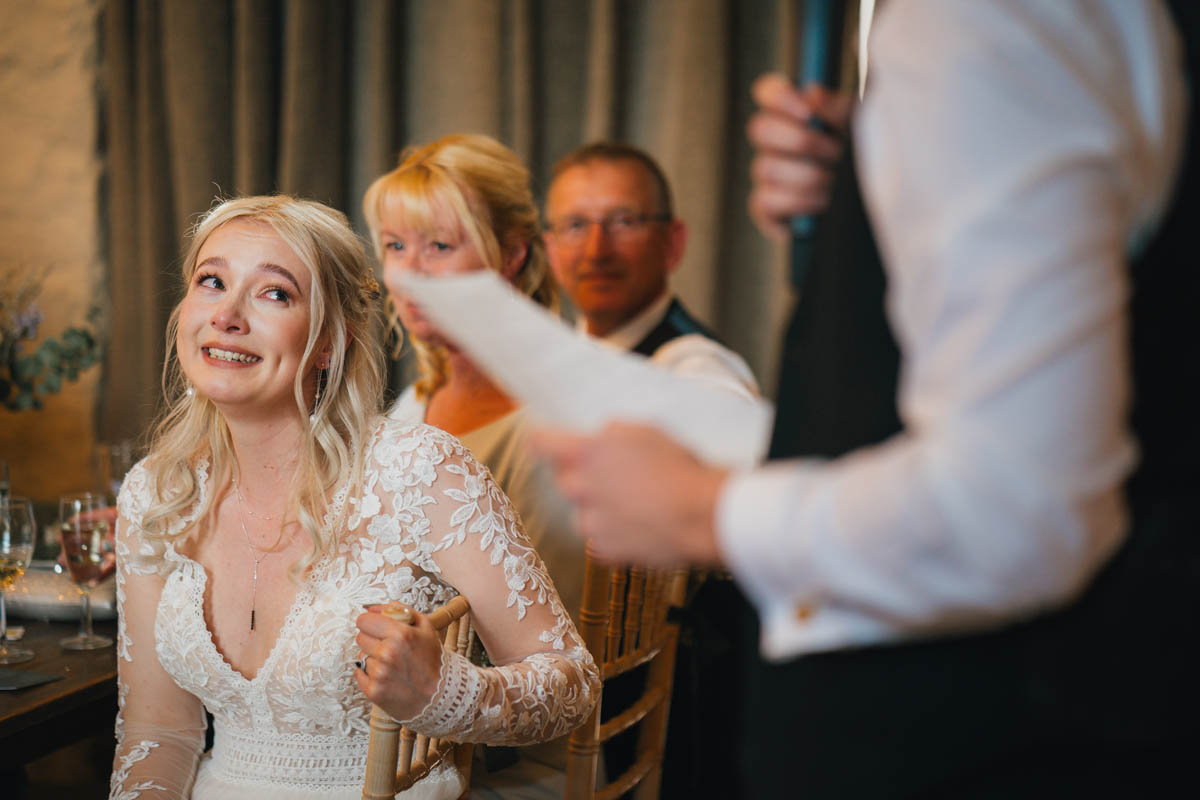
(250, 546)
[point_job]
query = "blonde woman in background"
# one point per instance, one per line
(460, 204)
(276, 505)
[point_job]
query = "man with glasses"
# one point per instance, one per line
(613, 240)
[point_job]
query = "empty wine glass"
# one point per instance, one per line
(17, 535)
(84, 521)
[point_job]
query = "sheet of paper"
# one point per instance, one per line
(571, 381)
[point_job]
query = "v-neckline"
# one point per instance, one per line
(303, 593)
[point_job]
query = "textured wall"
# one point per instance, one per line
(49, 187)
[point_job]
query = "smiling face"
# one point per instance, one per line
(244, 322)
(611, 275)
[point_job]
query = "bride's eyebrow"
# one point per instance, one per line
(268, 266)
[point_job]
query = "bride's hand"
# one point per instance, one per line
(402, 661)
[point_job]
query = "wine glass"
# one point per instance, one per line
(83, 519)
(17, 532)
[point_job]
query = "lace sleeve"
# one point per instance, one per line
(454, 522)
(160, 727)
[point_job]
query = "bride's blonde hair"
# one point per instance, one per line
(482, 185)
(343, 306)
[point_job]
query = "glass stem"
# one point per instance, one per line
(3, 624)
(85, 624)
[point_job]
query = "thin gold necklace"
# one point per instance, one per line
(242, 499)
(250, 546)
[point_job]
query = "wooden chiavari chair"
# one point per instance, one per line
(623, 621)
(398, 757)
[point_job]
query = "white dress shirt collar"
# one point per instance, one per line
(632, 332)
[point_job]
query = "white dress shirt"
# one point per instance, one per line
(692, 355)
(1012, 154)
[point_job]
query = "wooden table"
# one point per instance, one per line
(41, 719)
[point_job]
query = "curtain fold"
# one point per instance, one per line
(198, 112)
(255, 102)
(315, 95)
(376, 116)
(600, 113)
(208, 98)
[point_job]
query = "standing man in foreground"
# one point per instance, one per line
(613, 240)
(975, 557)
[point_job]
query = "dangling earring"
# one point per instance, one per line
(322, 377)
(190, 391)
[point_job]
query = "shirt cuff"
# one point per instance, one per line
(755, 519)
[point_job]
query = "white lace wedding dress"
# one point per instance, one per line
(429, 515)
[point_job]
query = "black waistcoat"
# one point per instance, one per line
(1095, 700)
(675, 323)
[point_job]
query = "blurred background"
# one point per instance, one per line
(122, 120)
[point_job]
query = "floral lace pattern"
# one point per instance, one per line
(429, 519)
(121, 773)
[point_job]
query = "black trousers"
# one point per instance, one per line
(1098, 700)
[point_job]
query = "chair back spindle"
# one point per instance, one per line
(623, 622)
(398, 757)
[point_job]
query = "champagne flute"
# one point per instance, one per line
(17, 531)
(83, 520)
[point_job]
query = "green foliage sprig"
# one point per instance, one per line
(27, 378)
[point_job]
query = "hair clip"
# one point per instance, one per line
(371, 286)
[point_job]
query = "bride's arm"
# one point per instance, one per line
(160, 727)
(456, 522)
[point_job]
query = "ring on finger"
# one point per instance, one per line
(400, 613)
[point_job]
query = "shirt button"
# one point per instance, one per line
(804, 611)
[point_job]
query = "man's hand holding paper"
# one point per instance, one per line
(639, 496)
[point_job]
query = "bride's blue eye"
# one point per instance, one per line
(393, 246)
(441, 247)
(276, 293)
(210, 281)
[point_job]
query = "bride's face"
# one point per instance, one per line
(445, 249)
(244, 322)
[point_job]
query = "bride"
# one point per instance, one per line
(277, 509)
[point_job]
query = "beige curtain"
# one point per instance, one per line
(315, 97)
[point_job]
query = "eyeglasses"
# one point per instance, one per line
(574, 230)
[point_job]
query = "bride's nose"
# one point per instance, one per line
(229, 316)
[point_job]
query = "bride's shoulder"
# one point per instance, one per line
(145, 483)
(396, 435)
(137, 493)
(140, 494)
